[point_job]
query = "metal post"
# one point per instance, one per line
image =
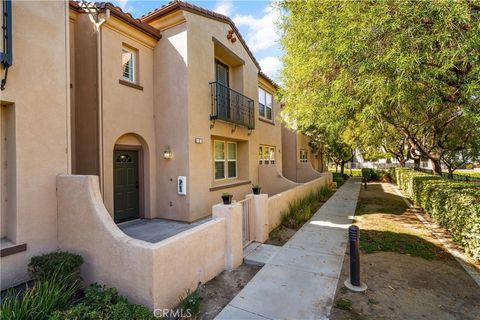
(354, 283)
(365, 182)
(353, 238)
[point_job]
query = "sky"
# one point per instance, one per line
(255, 19)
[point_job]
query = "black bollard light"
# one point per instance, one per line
(354, 238)
(365, 182)
(354, 282)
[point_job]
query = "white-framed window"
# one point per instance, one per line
(303, 155)
(265, 104)
(225, 159)
(129, 57)
(266, 154)
(231, 160)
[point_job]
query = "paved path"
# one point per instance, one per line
(299, 279)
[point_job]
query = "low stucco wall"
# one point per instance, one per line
(271, 181)
(279, 202)
(153, 274)
(306, 172)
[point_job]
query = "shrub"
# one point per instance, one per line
(453, 205)
(339, 179)
(190, 303)
(391, 171)
(370, 174)
(63, 264)
(47, 294)
(103, 303)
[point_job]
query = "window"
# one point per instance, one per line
(265, 104)
(232, 160)
(128, 64)
(225, 158)
(303, 155)
(266, 154)
(219, 160)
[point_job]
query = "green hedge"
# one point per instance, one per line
(451, 204)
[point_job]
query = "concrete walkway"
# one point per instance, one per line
(299, 280)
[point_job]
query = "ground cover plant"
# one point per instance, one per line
(57, 294)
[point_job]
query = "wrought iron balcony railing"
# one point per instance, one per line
(231, 106)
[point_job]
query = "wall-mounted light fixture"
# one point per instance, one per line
(167, 154)
(198, 140)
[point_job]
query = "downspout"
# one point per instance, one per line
(98, 23)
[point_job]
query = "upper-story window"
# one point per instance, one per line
(129, 57)
(265, 104)
(303, 155)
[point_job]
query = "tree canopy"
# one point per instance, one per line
(407, 69)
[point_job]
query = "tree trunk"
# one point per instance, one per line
(402, 163)
(450, 173)
(416, 163)
(342, 167)
(437, 167)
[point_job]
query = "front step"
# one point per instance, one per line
(258, 254)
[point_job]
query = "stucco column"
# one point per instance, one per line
(260, 213)
(233, 220)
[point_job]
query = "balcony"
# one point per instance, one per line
(231, 106)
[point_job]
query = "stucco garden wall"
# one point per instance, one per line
(271, 180)
(153, 274)
(306, 172)
(279, 202)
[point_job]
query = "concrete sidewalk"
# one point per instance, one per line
(299, 279)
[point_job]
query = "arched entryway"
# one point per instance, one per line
(128, 179)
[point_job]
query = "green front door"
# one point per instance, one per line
(126, 185)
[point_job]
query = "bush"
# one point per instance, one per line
(339, 179)
(190, 303)
(391, 171)
(453, 205)
(103, 303)
(370, 174)
(63, 264)
(47, 295)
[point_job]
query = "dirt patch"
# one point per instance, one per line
(406, 287)
(280, 236)
(219, 291)
(408, 272)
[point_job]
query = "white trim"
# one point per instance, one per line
(133, 66)
(265, 105)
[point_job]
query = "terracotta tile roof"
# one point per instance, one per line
(120, 14)
(182, 5)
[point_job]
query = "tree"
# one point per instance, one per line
(413, 65)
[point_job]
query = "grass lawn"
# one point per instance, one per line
(387, 225)
(408, 273)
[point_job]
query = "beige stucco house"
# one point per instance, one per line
(196, 111)
(168, 111)
(302, 159)
(35, 133)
